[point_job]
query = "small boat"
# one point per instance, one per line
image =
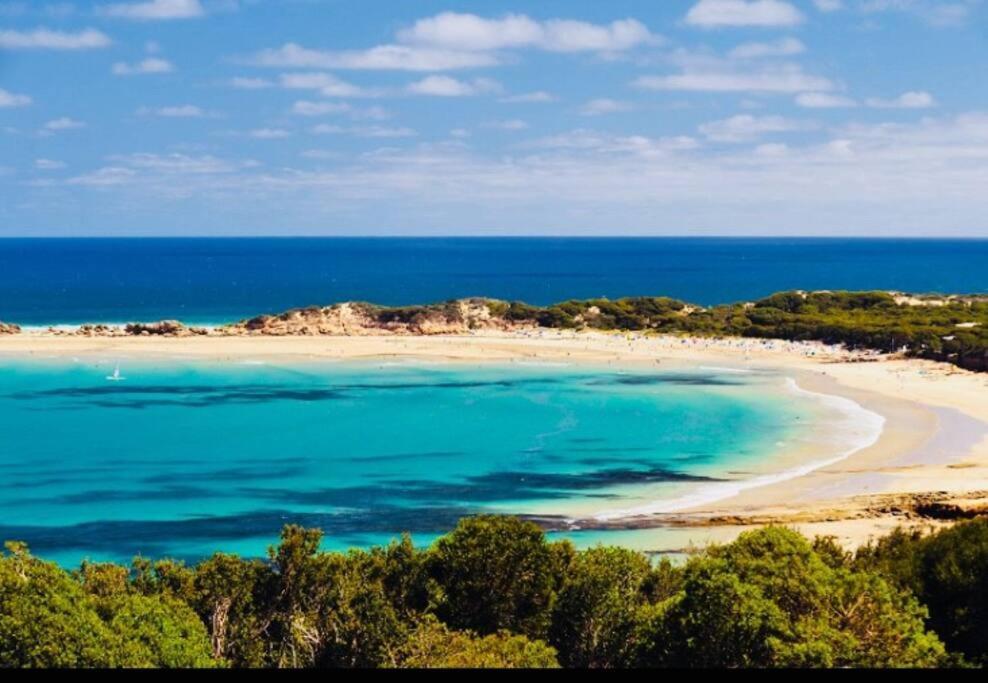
(115, 377)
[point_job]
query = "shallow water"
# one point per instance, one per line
(183, 459)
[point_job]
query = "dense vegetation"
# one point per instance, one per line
(954, 330)
(496, 593)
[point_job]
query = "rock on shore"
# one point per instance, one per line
(9, 328)
(164, 328)
(344, 319)
(359, 319)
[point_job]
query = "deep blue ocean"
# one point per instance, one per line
(49, 281)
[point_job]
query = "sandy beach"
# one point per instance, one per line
(929, 464)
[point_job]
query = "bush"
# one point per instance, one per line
(496, 573)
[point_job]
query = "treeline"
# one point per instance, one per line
(953, 330)
(496, 593)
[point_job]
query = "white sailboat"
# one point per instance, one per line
(115, 377)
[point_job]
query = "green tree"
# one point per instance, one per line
(717, 621)
(360, 623)
(769, 599)
(948, 572)
(595, 619)
(297, 593)
(170, 632)
(48, 618)
(431, 645)
(497, 573)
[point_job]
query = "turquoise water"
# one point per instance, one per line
(183, 459)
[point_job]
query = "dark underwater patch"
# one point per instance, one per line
(403, 457)
(123, 496)
(157, 538)
(486, 488)
(133, 396)
(674, 379)
(139, 397)
(404, 505)
(229, 474)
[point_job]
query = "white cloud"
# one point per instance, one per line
(828, 5)
(783, 47)
(383, 57)
(745, 13)
(450, 41)
(364, 131)
(48, 165)
(155, 10)
(510, 124)
(907, 100)
(823, 100)
(578, 36)
(537, 96)
(604, 105)
(171, 170)
(9, 99)
(446, 86)
(180, 163)
(151, 65)
(327, 84)
(772, 149)
(183, 111)
(269, 133)
(306, 108)
(309, 108)
(469, 32)
(45, 39)
(64, 123)
(787, 78)
(107, 176)
(610, 145)
(917, 178)
(745, 128)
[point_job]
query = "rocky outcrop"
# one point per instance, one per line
(359, 319)
(164, 328)
(9, 328)
(345, 319)
(93, 331)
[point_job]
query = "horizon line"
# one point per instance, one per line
(496, 237)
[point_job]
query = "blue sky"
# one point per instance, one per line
(292, 117)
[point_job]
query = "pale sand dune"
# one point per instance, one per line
(936, 416)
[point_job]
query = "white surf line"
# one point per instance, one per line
(866, 428)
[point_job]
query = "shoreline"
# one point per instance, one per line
(855, 496)
(712, 494)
